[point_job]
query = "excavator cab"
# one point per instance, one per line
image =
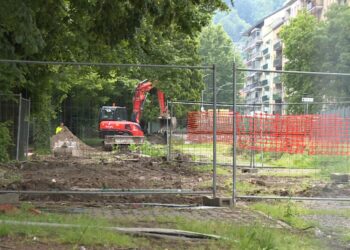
(112, 113)
(115, 129)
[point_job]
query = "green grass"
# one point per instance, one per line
(233, 236)
(245, 237)
(204, 151)
(147, 148)
(88, 234)
(288, 212)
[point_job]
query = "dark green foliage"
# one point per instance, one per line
(217, 48)
(318, 46)
(5, 142)
(300, 49)
(163, 32)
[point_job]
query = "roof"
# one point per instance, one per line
(260, 23)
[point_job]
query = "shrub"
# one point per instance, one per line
(5, 142)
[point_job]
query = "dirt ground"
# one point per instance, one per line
(131, 172)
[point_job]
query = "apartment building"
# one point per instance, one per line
(320, 7)
(264, 50)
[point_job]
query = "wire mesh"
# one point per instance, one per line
(298, 149)
(15, 112)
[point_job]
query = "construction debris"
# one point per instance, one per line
(66, 144)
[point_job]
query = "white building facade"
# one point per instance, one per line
(264, 50)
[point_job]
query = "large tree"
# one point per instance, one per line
(317, 46)
(128, 31)
(333, 42)
(300, 49)
(217, 48)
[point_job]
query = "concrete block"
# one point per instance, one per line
(217, 202)
(249, 170)
(338, 178)
(9, 198)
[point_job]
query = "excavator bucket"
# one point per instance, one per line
(167, 123)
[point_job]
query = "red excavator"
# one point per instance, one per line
(114, 127)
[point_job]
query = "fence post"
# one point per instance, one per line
(170, 132)
(28, 129)
(167, 133)
(214, 131)
(234, 155)
(19, 126)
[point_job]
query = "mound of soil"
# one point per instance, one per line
(65, 143)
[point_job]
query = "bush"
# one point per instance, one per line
(5, 142)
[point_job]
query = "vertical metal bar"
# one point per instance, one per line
(19, 126)
(167, 132)
(170, 131)
(28, 129)
(214, 131)
(234, 155)
(252, 155)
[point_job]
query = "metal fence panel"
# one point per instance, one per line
(15, 110)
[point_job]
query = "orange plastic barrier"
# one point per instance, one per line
(295, 134)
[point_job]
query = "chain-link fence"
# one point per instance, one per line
(15, 113)
(80, 166)
(282, 150)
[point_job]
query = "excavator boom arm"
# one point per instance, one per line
(140, 96)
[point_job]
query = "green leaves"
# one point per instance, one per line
(217, 48)
(317, 46)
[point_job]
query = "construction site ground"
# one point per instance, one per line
(134, 171)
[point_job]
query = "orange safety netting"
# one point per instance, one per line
(295, 134)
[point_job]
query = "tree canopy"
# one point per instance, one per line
(217, 48)
(163, 32)
(318, 46)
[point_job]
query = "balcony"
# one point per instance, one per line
(253, 100)
(253, 42)
(250, 75)
(265, 98)
(277, 63)
(264, 82)
(277, 46)
(314, 6)
(257, 56)
(258, 41)
(265, 51)
(251, 87)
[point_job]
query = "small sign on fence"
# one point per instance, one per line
(307, 99)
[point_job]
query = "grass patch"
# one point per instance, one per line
(244, 237)
(309, 173)
(204, 151)
(147, 148)
(209, 169)
(234, 236)
(288, 212)
(88, 234)
(244, 187)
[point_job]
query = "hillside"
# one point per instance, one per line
(244, 14)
